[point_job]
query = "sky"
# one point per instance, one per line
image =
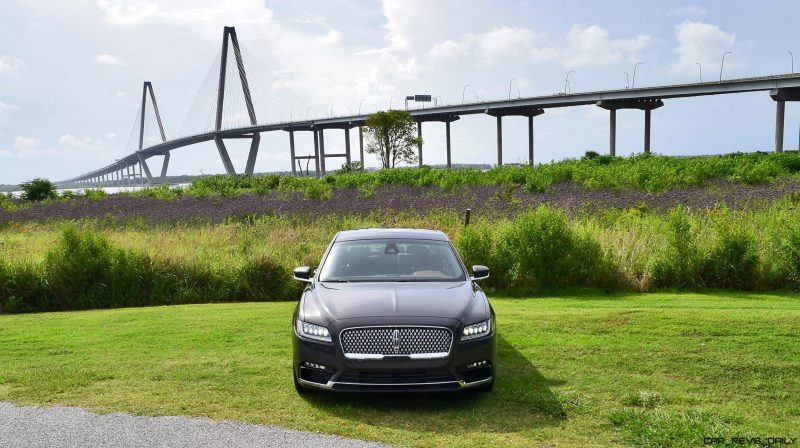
(71, 73)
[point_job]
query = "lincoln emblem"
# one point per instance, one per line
(396, 340)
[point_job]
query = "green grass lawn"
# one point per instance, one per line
(588, 370)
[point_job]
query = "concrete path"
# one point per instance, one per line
(23, 426)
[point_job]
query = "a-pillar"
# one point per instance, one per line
(291, 151)
(347, 145)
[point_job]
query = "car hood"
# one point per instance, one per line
(328, 302)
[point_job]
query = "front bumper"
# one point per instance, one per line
(323, 366)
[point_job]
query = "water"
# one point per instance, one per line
(109, 190)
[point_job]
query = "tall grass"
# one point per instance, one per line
(647, 172)
(98, 264)
(84, 270)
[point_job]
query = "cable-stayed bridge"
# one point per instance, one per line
(232, 105)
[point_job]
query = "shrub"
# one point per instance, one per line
(733, 260)
(680, 261)
(789, 253)
(38, 190)
(7, 202)
(95, 193)
(548, 253)
(352, 167)
(84, 271)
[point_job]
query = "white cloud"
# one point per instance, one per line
(10, 64)
(26, 147)
(80, 144)
(585, 46)
(110, 135)
(704, 43)
(7, 107)
(334, 37)
(6, 154)
(25, 142)
(184, 13)
(69, 147)
(689, 10)
(592, 46)
(505, 42)
(110, 59)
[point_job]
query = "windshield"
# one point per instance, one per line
(391, 260)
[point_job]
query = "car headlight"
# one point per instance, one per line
(477, 330)
(311, 331)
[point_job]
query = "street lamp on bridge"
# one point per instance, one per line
(464, 91)
(633, 84)
(566, 81)
(509, 86)
(721, 66)
(700, 67)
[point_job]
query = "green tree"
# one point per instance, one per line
(38, 189)
(390, 136)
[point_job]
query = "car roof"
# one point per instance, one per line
(371, 234)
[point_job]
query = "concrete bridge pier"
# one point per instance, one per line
(419, 144)
(164, 166)
(291, 152)
(645, 104)
(781, 96)
(322, 151)
(361, 144)
(251, 156)
(443, 118)
(143, 166)
(499, 140)
(347, 145)
(518, 111)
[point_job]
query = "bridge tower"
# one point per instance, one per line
(147, 91)
(229, 37)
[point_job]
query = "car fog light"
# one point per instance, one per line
(476, 364)
(314, 365)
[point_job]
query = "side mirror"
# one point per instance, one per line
(479, 272)
(303, 273)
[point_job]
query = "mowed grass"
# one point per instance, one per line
(582, 370)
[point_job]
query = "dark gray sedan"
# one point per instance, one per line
(393, 310)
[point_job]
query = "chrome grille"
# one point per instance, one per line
(376, 342)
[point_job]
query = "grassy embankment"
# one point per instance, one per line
(109, 263)
(58, 266)
(586, 370)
